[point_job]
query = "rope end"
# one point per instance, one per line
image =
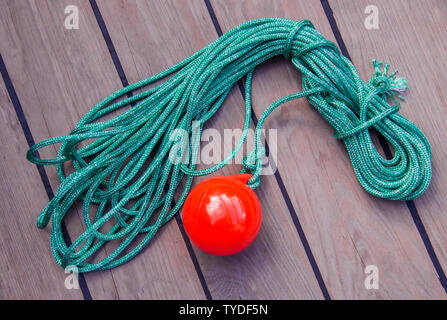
(44, 217)
(388, 84)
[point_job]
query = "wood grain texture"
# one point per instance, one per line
(59, 75)
(412, 36)
(149, 36)
(346, 227)
(27, 270)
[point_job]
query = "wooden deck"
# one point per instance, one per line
(320, 228)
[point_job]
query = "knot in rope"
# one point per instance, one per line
(387, 84)
(136, 149)
(252, 163)
(382, 85)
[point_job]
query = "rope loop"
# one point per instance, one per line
(122, 150)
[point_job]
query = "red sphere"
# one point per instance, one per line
(222, 215)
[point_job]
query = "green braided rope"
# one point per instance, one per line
(124, 170)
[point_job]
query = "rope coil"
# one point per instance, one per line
(124, 171)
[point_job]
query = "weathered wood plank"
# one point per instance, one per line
(152, 35)
(59, 75)
(346, 227)
(412, 36)
(27, 270)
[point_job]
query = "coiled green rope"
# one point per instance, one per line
(125, 171)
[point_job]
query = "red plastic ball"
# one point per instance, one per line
(222, 215)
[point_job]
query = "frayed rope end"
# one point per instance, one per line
(388, 84)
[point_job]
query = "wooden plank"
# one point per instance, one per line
(152, 35)
(412, 36)
(347, 228)
(27, 270)
(59, 75)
